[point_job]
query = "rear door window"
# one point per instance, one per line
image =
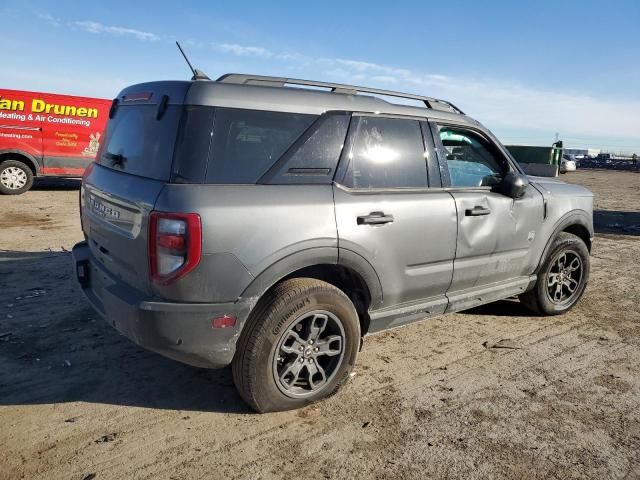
(246, 143)
(386, 153)
(140, 144)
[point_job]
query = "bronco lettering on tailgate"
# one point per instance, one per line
(101, 209)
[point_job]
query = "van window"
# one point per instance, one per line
(313, 159)
(139, 144)
(246, 143)
(386, 153)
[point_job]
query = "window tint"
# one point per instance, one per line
(316, 158)
(246, 143)
(192, 144)
(470, 158)
(386, 153)
(139, 144)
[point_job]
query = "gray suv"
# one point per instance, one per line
(271, 223)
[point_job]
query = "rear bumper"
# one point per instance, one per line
(181, 331)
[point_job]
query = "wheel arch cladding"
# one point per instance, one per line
(575, 222)
(346, 279)
(580, 231)
(321, 264)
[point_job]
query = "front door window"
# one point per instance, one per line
(470, 158)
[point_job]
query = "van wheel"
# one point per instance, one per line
(562, 278)
(15, 177)
(299, 346)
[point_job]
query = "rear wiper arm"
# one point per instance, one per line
(116, 158)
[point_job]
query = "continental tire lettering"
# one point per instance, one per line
(298, 306)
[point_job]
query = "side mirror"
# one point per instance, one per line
(513, 185)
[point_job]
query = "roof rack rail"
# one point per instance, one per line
(264, 80)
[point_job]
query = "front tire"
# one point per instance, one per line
(15, 177)
(299, 346)
(562, 279)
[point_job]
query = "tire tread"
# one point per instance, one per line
(531, 299)
(256, 329)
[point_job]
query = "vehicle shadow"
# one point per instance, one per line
(504, 308)
(616, 221)
(55, 349)
(44, 183)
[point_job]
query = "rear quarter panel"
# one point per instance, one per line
(248, 228)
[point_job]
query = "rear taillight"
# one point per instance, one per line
(175, 245)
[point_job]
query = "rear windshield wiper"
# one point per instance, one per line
(116, 158)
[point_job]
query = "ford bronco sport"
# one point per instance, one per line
(256, 222)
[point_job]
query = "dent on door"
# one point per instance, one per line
(494, 246)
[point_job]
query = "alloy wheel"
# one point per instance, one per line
(309, 354)
(564, 277)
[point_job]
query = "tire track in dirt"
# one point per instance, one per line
(428, 400)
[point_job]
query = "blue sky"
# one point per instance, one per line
(526, 69)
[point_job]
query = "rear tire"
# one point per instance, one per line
(299, 346)
(15, 177)
(562, 278)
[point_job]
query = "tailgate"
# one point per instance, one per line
(115, 215)
(133, 164)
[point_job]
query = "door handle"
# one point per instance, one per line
(375, 218)
(477, 211)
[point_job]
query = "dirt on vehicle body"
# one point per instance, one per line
(488, 392)
(245, 222)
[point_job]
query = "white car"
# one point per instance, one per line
(567, 166)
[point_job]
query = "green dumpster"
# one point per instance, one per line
(534, 160)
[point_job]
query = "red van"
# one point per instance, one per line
(45, 134)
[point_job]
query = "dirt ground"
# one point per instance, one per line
(430, 400)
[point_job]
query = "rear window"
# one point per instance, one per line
(138, 143)
(193, 144)
(246, 143)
